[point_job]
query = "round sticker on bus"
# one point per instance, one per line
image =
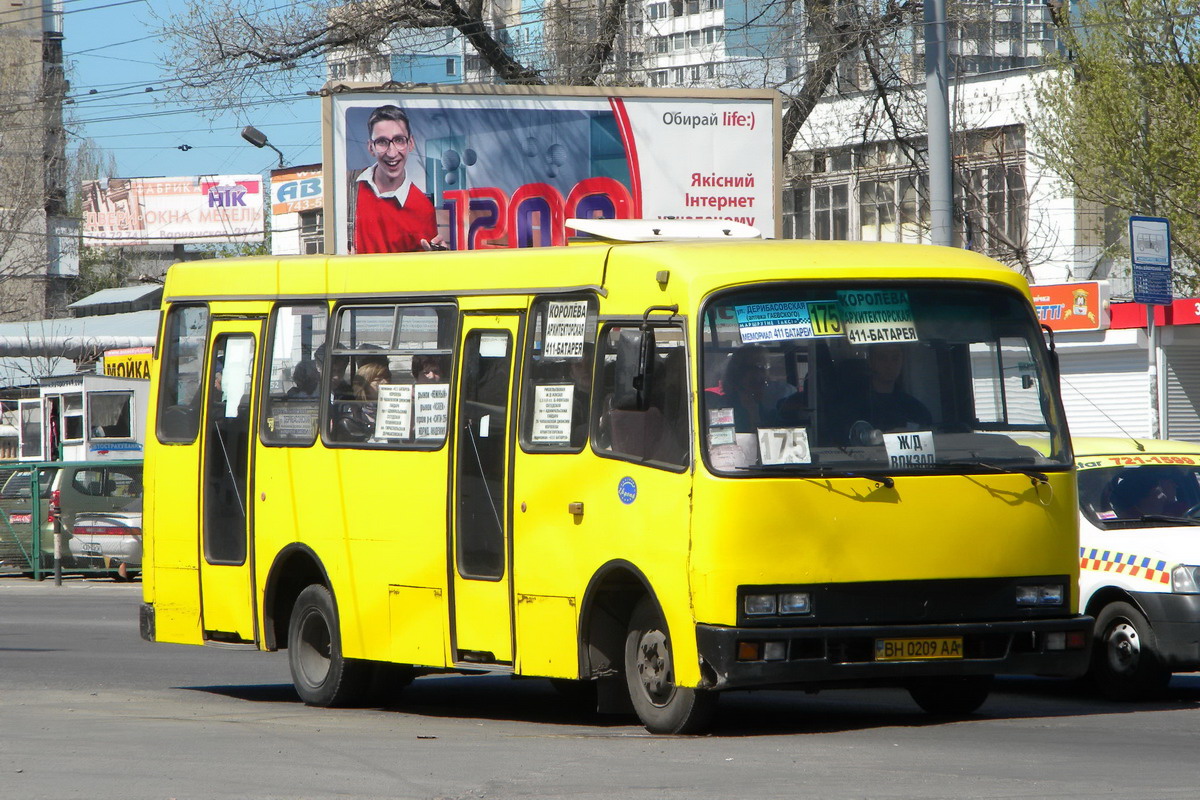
(627, 490)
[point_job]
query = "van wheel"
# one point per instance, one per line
(321, 674)
(951, 697)
(661, 705)
(1125, 662)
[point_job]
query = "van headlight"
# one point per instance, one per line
(1185, 579)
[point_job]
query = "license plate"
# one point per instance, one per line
(91, 548)
(918, 649)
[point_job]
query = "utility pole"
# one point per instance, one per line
(937, 116)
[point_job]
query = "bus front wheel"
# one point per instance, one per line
(661, 705)
(321, 674)
(958, 696)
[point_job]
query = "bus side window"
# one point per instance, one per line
(291, 405)
(558, 375)
(390, 372)
(180, 383)
(659, 434)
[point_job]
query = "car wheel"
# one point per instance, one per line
(321, 674)
(1125, 660)
(661, 705)
(958, 696)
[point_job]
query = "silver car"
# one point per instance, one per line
(109, 540)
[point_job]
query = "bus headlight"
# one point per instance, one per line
(1185, 579)
(759, 605)
(795, 603)
(1042, 594)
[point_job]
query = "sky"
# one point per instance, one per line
(117, 99)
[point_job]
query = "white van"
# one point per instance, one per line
(1139, 552)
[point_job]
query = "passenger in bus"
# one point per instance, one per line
(748, 389)
(307, 381)
(391, 214)
(355, 419)
(429, 368)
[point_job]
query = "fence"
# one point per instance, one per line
(38, 528)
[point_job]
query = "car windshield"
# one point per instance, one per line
(1163, 490)
(885, 377)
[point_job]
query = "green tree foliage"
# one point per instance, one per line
(1120, 113)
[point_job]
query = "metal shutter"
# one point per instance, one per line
(1106, 393)
(1183, 392)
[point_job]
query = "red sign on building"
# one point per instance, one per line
(1072, 306)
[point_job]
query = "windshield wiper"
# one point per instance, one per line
(1167, 518)
(811, 470)
(1032, 474)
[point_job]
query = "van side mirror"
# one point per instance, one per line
(634, 369)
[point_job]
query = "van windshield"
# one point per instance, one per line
(1155, 491)
(888, 377)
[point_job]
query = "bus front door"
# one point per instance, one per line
(482, 577)
(226, 562)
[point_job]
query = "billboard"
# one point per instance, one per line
(506, 166)
(296, 189)
(206, 209)
(1081, 306)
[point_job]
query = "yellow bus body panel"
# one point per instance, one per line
(377, 520)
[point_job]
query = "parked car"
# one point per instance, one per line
(109, 540)
(1139, 548)
(16, 515)
(64, 492)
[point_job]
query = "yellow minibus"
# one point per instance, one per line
(658, 470)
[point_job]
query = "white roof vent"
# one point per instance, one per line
(662, 230)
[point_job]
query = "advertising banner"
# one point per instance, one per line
(296, 189)
(463, 167)
(187, 210)
(1081, 306)
(131, 362)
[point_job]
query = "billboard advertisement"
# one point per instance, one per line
(205, 209)
(1081, 306)
(462, 167)
(296, 189)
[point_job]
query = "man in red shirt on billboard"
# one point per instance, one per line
(391, 214)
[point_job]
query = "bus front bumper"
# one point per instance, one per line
(735, 658)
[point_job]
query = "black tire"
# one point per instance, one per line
(951, 697)
(1125, 660)
(321, 674)
(662, 706)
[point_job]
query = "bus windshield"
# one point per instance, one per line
(888, 377)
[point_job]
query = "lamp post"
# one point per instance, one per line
(259, 139)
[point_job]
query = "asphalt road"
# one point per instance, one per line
(89, 710)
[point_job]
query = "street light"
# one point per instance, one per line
(259, 139)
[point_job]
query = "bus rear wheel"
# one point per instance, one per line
(321, 674)
(661, 705)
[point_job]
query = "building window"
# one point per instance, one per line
(312, 232)
(450, 66)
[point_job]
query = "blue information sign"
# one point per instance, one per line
(1150, 249)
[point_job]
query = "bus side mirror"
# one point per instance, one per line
(1054, 368)
(634, 369)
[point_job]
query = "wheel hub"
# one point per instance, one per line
(654, 667)
(1124, 648)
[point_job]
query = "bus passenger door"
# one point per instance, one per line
(481, 547)
(226, 555)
